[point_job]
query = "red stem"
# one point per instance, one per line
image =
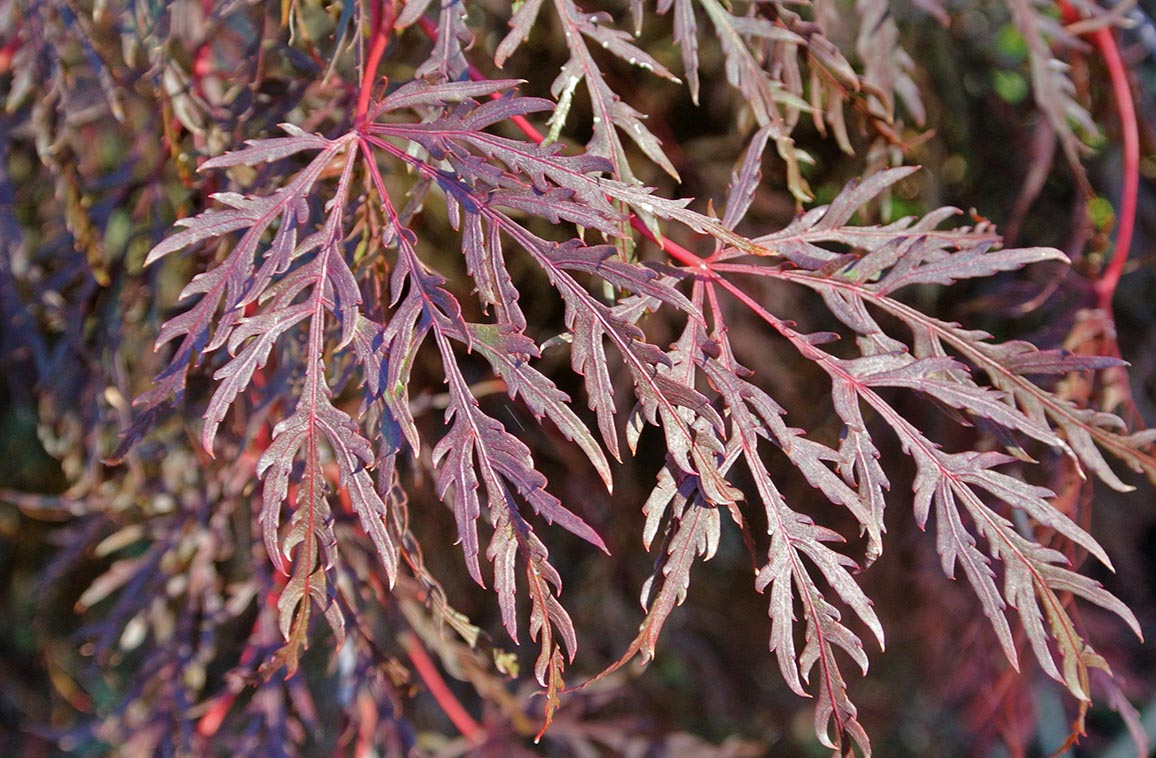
(1105, 41)
(429, 674)
(382, 25)
(1106, 286)
(671, 248)
(210, 722)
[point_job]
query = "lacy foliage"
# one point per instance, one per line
(325, 300)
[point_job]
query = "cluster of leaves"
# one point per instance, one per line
(325, 310)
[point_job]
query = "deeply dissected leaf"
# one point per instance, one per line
(331, 288)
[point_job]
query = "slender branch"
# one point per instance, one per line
(381, 26)
(1104, 40)
(450, 705)
(1126, 108)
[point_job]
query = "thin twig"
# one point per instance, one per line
(450, 705)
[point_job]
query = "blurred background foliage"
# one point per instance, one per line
(130, 592)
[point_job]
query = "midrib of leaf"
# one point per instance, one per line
(686, 540)
(315, 372)
(464, 413)
(827, 665)
(884, 234)
(1064, 414)
(316, 487)
(548, 669)
(989, 527)
(314, 392)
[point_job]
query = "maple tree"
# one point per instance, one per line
(415, 279)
